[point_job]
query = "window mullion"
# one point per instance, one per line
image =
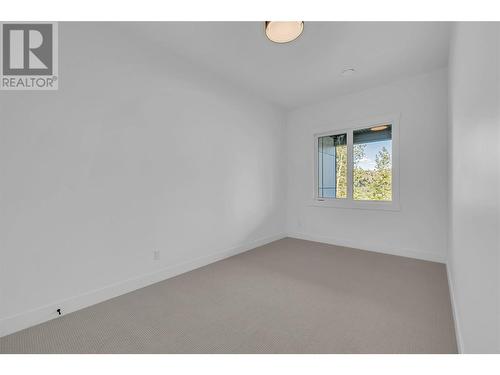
(350, 165)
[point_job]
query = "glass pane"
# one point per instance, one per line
(332, 166)
(372, 156)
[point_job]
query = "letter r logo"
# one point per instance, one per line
(27, 49)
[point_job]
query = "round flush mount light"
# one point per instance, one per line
(348, 72)
(379, 128)
(284, 31)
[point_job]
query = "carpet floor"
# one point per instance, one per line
(290, 296)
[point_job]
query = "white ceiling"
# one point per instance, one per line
(308, 69)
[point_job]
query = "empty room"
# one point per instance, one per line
(249, 187)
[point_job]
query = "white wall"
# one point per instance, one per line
(474, 185)
(137, 151)
(92, 179)
(419, 228)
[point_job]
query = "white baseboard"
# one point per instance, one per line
(45, 313)
(423, 255)
(454, 309)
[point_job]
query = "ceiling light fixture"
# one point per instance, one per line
(284, 31)
(379, 128)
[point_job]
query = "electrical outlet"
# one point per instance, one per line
(156, 254)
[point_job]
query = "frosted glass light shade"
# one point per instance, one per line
(283, 31)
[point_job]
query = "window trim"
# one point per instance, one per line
(349, 202)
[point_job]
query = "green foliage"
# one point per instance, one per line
(341, 170)
(358, 152)
(372, 184)
(368, 184)
(382, 183)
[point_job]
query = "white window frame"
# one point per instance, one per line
(349, 202)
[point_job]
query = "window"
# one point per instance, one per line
(357, 167)
(332, 163)
(372, 153)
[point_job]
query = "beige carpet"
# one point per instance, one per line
(290, 296)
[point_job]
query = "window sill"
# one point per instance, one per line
(361, 205)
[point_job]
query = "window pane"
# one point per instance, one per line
(372, 154)
(332, 166)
